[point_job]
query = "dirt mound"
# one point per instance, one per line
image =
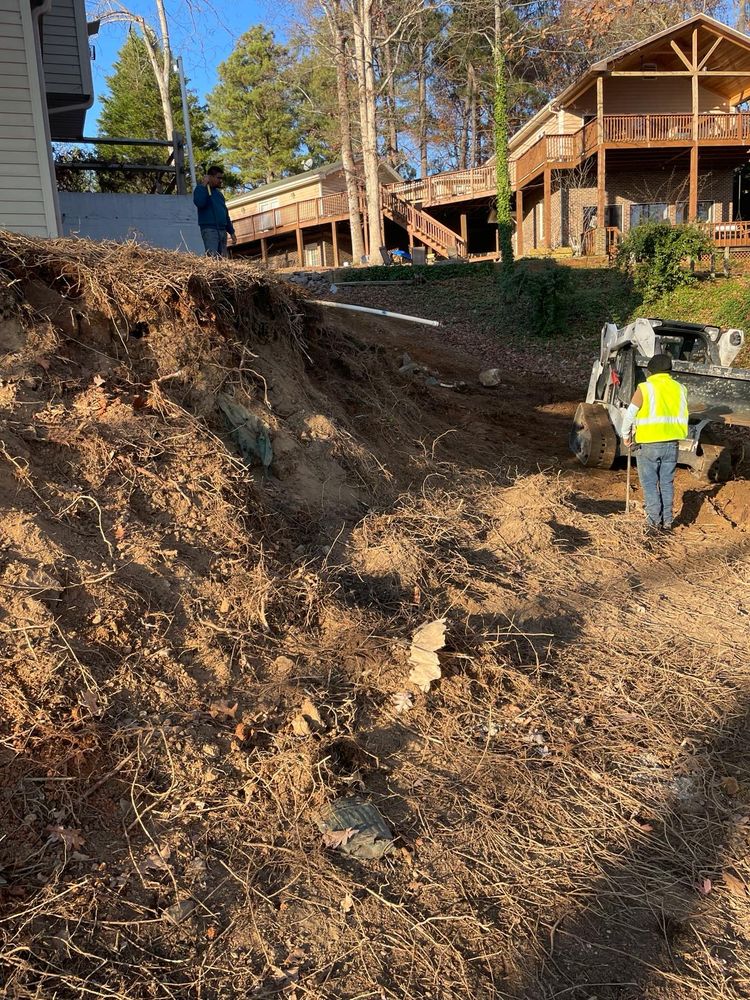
(222, 520)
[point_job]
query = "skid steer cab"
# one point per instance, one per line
(701, 360)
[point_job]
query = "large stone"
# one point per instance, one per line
(490, 377)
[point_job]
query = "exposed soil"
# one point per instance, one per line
(200, 656)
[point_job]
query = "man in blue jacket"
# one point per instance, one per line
(213, 215)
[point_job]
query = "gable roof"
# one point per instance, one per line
(636, 49)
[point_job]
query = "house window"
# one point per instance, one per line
(652, 212)
(705, 212)
(612, 217)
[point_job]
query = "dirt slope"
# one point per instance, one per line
(199, 656)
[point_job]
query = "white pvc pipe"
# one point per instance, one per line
(376, 312)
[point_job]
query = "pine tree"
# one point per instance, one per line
(132, 109)
(253, 108)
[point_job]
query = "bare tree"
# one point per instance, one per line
(332, 12)
(158, 46)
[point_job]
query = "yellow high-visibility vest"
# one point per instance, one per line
(664, 414)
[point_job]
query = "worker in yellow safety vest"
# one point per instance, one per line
(658, 414)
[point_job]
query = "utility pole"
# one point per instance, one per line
(186, 120)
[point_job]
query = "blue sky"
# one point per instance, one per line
(202, 43)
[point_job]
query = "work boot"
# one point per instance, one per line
(652, 530)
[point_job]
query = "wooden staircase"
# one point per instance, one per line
(422, 226)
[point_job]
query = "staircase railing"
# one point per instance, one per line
(432, 232)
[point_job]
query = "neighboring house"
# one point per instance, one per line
(42, 98)
(301, 220)
(655, 131)
(45, 90)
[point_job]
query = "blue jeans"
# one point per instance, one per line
(657, 463)
(215, 241)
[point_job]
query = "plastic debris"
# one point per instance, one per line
(249, 433)
(372, 838)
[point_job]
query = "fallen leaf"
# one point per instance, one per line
(704, 886)
(241, 732)
(403, 701)
(154, 861)
(211, 933)
(337, 838)
(70, 838)
(347, 904)
(120, 532)
(735, 885)
(308, 720)
(423, 654)
(97, 380)
(641, 824)
(731, 786)
(178, 912)
(90, 701)
(223, 710)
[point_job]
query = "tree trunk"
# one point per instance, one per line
(502, 165)
(391, 151)
(422, 102)
(473, 117)
(362, 22)
(345, 129)
(463, 138)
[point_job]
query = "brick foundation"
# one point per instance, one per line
(574, 191)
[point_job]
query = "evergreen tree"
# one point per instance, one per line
(253, 107)
(132, 109)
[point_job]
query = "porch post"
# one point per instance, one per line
(600, 110)
(465, 229)
(601, 199)
(548, 208)
(300, 248)
(519, 222)
(693, 190)
(695, 85)
(264, 249)
(335, 240)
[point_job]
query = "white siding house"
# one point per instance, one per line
(28, 193)
(41, 98)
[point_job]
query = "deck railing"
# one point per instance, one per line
(728, 234)
(450, 186)
(308, 212)
(630, 130)
(421, 224)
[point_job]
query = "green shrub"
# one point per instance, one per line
(655, 254)
(541, 297)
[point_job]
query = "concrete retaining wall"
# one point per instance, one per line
(160, 220)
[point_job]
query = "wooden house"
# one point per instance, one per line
(655, 131)
(299, 221)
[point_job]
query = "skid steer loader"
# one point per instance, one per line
(701, 360)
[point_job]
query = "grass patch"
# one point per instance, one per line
(724, 302)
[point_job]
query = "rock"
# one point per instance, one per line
(490, 377)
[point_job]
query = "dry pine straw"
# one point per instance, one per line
(566, 799)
